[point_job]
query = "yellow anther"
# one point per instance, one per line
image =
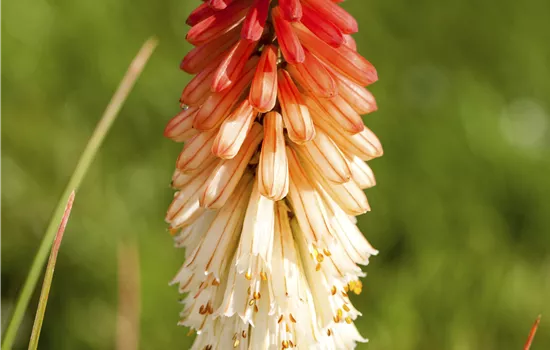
(173, 231)
(358, 287)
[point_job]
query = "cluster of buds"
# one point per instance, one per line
(271, 175)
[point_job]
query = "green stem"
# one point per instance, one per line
(109, 116)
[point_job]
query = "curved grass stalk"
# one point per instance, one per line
(101, 130)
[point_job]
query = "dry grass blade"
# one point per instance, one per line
(48, 277)
(129, 303)
(532, 334)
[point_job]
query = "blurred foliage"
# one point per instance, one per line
(461, 214)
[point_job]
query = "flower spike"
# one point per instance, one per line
(271, 175)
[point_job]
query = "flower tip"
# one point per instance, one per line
(373, 107)
(367, 208)
(350, 42)
(231, 67)
(254, 22)
(290, 45)
(380, 152)
(271, 195)
(259, 106)
(293, 17)
(372, 181)
(251, 35)
(358, 127)
(179, 128)
(304, 136)
(189, 39)
(217, 4)
(372, 75)
(167, 131)
(291, 10)
(298, 58)
(220, 84)
(222, 151)
(183, 65)
(217, 150)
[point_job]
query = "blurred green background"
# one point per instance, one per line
(461, 213)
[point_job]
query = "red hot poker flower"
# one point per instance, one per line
(271, 175)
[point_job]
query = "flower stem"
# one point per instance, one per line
(101, 130)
